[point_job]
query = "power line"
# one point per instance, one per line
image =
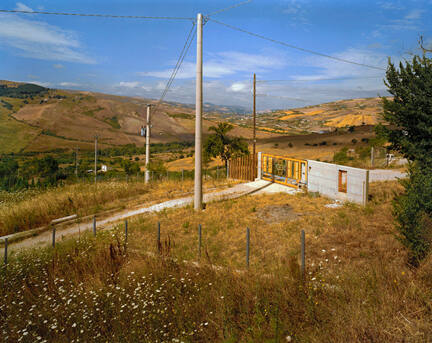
(295, 47)
(183, 53)
(324, 79)
(228, 8)
(98, 15)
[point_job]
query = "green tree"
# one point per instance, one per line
(130, 168)
(219, 144)
(410, 110)
(409, 114)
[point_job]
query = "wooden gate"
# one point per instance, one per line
(287, 171)
(243, 168)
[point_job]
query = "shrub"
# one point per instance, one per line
(341, 156)
(413, 213)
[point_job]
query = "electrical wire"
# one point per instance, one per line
(183, 53)
(323, 79)
(228, 8)
(97, 15)
(294, 47)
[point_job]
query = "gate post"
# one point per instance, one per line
(259, 166)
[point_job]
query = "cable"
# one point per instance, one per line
(295, 47)
(314, 80)
(183, 53)
(228, 8)
(283, 97)
(97, 15)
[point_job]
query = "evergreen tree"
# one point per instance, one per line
(409, 114)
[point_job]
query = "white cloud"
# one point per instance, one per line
(37, 39)
(414, 14)
(133, 84)
(39, 83)
(238, 87)
(410, 21)
(70, 84)
(58, 66)
(21, 7)
(225, 64)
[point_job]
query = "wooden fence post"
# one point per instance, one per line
(199, 241)
(53, 236)
(5, 251)
(126, 231)
(158, 238)
(247, 246)
(302, 253)
(94, 226)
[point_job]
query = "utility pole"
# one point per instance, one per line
(76, 161)
(254, 123)
(96, 155)
(198, 118)
(147, 158)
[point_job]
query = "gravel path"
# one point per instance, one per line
(45, 238)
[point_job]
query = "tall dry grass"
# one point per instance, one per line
(31, 209)
(358, 286)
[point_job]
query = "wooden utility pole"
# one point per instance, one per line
(254, 123)
(76, 161)
(96, 156)
(147, 158)
(198, 118)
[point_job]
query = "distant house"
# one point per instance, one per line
(143, 131)
(104, 168)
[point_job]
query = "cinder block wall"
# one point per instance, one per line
(324, 178)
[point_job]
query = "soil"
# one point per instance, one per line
(277, 213)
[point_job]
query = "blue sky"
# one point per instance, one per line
(135, 57)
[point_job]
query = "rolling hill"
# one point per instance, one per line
(318, 118)
(34, 118)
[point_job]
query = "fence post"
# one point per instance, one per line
(247, 246)
(94, 226)
(158, 238)
(302, 252)
(5, 251)
(53, 236)
(126, 231)
(199, 241)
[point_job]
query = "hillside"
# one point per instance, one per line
(318, 118)
(34, 118)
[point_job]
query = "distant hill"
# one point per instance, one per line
(317, 118)
(34, 118)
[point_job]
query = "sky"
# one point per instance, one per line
(135, 57)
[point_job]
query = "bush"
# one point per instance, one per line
(354, 141)
(413, 213)
(341, 156)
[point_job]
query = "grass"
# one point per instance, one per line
(31, 209)
(14, 135)
(358, 287)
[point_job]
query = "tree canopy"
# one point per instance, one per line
(219, 144)
(410, 112)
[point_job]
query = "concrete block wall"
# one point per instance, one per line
(324, 178)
